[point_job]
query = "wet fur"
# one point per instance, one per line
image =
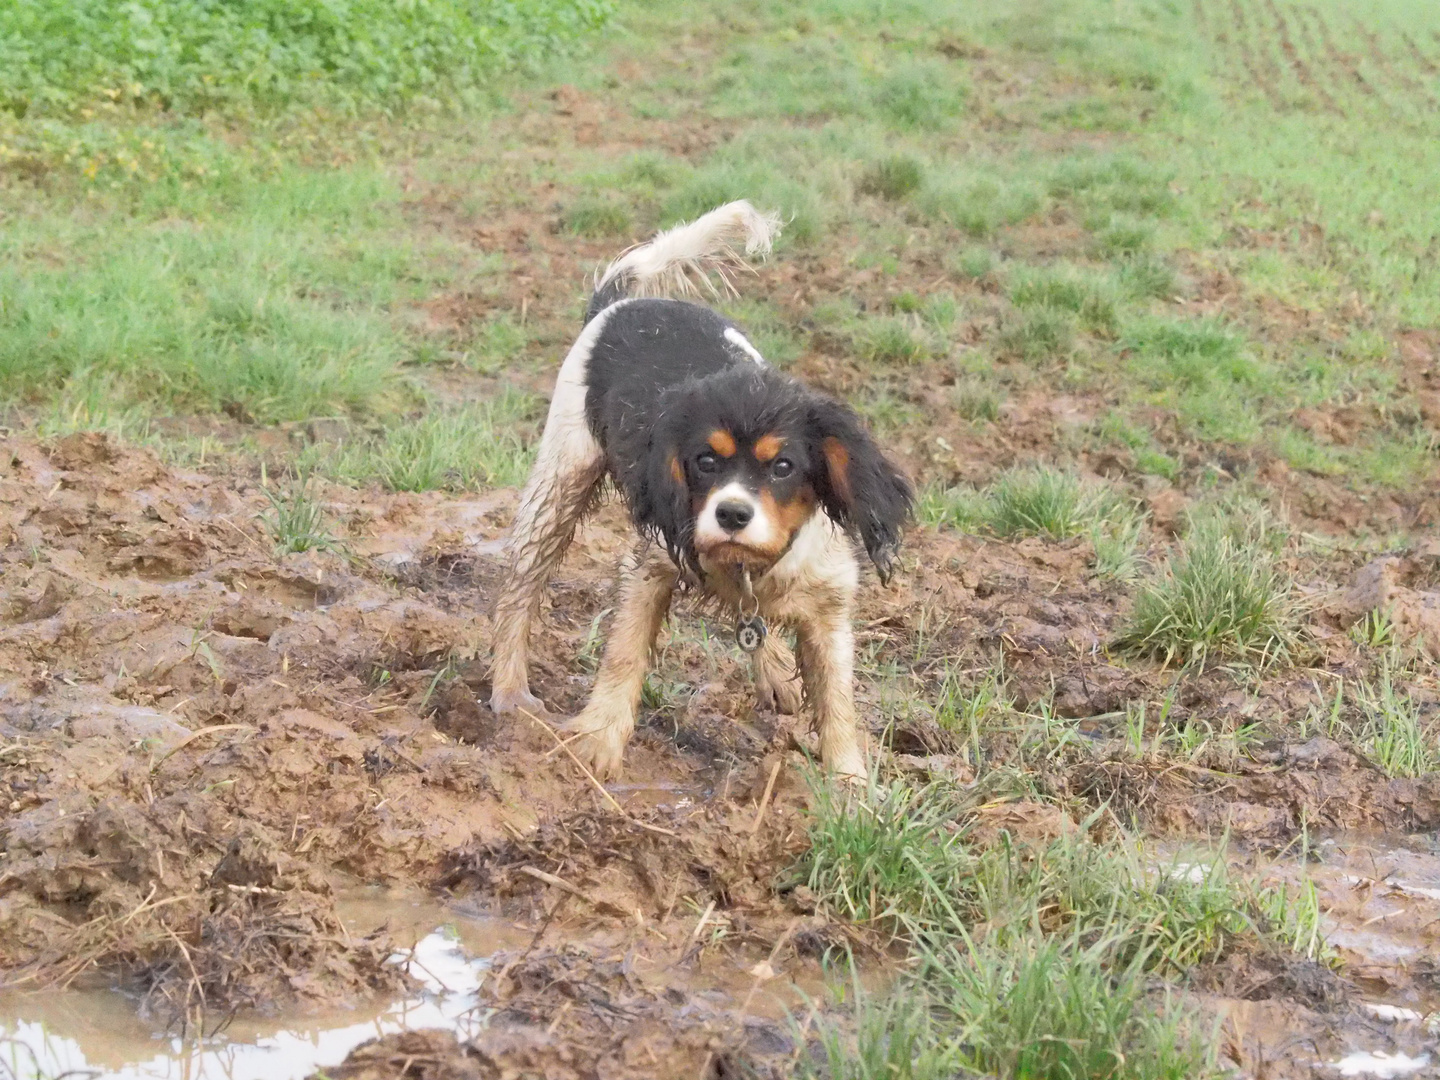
(671, 402)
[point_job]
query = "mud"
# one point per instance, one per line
(1367, 1001)
(206, 746)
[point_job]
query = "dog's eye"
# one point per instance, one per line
(782, 468)
(706, 463)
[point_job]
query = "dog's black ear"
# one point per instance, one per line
(858, 485)
(659, 498)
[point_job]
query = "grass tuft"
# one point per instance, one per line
(1394, 736)
(1146, 277)
(1221, 596)
(1042, 502)
(890, 853)
(973, 263)
(892, 177)
(1038, 334)
(1061, 1010)
(957, 507)
(1295, 919)
(595, 217)
(1090, 299)
(1188, 353)
(460, 449)
(919, 94)
(977, 205)
(296, 521)
(1121, 236)
(892, 340)
(976, 401)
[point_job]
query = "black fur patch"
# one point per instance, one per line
(662, 377)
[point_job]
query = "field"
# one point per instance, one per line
(1144, 295)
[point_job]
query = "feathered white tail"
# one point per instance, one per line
(686, 260)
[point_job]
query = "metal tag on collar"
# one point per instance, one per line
(750, 630)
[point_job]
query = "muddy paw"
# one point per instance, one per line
(848, 767)
(777, 683)
(510, 702)
(601, 740)
(782, 695)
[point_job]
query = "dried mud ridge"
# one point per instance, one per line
(201, 741)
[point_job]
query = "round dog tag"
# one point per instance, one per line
(750, 633)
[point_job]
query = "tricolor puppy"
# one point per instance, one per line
(742, 484)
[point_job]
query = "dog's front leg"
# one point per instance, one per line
(777, 684)
(609, 716)
(827, 670)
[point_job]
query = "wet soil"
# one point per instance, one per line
(204, 746)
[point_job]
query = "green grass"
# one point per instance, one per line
(976, 401)
(451, 449)
(1091, 299)
(977, 205)
(296, 520)
(1393, 734)
(1060, 1009)
(1148, 278)
(897, 855)
(861, 130)
(1295, 918)
(1042, 334)
(892, 341)
(1221, 596)
(890, 854)
(972, 262)
(277, 311)
(598, 217)
(1044, 1009)
(58, 56)
(961, 507)
(1043, 502)
(892, 177)
(499, 343)
(1037, 959)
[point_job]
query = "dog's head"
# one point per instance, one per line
(740, 460)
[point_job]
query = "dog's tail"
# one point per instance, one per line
(680, 261)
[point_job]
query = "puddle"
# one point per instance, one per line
(97, 1032)
(1383, 1066)
(1380, 899)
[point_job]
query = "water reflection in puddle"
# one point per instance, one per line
(1384, 1066)
(96, 1033)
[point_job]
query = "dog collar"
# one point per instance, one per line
(750, 628)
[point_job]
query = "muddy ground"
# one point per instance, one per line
(204, 742)
(203, 745)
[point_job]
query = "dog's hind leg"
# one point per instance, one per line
(609, 716)
(559, 492)
(569, 467)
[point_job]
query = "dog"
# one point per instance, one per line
(744, 486)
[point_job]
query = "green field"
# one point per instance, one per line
(1211, 223)
(1066, 256)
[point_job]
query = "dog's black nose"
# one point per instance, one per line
(733, 515)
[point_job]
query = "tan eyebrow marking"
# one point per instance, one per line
(722, 442)
(676, 471)
(767, 447)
